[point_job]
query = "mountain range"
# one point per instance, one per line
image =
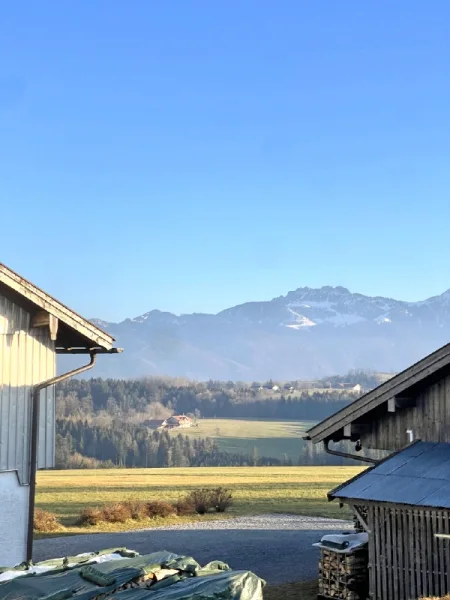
(307, 334)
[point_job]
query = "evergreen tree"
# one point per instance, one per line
(255, 456)
(163, 457)
(178, 457)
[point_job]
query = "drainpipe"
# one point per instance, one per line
(372, 461)
(34, 442)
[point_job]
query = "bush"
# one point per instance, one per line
(138, 510)
(160, 508)
(90, 516)
(45, 521)
(184, 506)
(221, 499)
(200, 500)
(116, 513)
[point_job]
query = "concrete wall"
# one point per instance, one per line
(13, 523)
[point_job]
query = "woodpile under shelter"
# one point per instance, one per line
(34, 328)
(403, 501)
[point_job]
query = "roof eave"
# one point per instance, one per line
(391, 388)
(44, 301)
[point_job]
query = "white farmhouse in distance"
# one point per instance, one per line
(34, 328)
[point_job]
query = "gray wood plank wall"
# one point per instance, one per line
(429, 420)
(406, 560)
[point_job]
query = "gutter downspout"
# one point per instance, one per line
(34, 443)
(372, 461)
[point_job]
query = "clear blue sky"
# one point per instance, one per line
(194, 154)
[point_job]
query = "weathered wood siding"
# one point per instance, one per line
(27, 357)
(429, 420)
(406, 560)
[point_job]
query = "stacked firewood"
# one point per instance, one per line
(343, 576)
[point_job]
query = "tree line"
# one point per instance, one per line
(102, 422)
(79, 444)
(161, 397)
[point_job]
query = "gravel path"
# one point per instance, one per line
(275, 547)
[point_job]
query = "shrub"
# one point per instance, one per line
(184, 506)
(160, 508)
(45, 521)
(201, 500)
(221, 499)
(138, 510)
(90, 516)
(116, 513)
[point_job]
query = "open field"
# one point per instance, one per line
(256, 490)
(274, 439)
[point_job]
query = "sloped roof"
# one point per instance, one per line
(419, 475)
(86, 333)
(427, 367)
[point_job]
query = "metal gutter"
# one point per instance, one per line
(84, 350)
(35, 441)
(372, 461)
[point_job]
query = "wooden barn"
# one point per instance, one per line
(402, 501)
(34, 329)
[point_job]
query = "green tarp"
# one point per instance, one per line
(161, 575)
(64, 563)
(225, 585)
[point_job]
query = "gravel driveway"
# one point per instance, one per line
(275, 547)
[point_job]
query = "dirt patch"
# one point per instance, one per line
(306, 590)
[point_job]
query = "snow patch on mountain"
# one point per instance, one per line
(324, 304)
(300, 321)
(141, 318)
(326, 311)
(99, 323)
(298, 335)
(344, 319)
(382, 319)
(156, 315)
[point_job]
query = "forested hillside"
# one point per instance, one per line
(103, 422)
(160, 397)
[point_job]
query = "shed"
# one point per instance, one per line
(34, 327)
(402, 498)
(415, 404)
(406, 500)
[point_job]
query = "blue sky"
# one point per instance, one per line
(191, 155)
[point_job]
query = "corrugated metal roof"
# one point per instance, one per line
(418, 476)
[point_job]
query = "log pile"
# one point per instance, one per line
(343, 576)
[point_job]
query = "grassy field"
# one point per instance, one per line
(256, 490)
(274, 439)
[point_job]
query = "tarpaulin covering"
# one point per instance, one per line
(160, 575)
(7, 573)
(344, 543)
(225, 585)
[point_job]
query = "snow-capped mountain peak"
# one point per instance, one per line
(305, 334)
